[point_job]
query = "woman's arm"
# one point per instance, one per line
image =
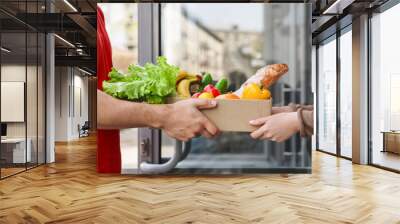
(281, 126)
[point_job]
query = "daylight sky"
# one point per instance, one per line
(247, 16)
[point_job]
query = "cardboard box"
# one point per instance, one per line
(234, 115)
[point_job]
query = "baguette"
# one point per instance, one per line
(272, 73)
(266, 76)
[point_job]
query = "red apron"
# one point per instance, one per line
(108, 147)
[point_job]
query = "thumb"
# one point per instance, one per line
(204, 103)
(259, 121)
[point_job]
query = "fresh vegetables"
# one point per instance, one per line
(181, 75)
(206, 95)
(211, 89)
(187, 84)
(183, 88)
(151, 83)
(222, 85)
(196, 95)
(195, 85)
(206, 80)
(228, 96)
(206, 90)
(255, 92)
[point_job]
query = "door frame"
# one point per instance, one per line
(149, 139)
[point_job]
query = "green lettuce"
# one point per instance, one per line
(150, 83)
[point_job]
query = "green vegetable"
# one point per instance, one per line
(207, 79)
(151, 83)
(222, 85)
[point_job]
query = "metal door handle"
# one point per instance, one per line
(149, 168)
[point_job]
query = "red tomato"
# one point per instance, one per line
(208, 88)
(215, 92)
(211, 89)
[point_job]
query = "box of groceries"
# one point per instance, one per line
(234, 109)
(164, 83)
(235, 114)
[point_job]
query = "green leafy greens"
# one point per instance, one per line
(151, 83)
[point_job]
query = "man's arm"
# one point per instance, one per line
(113, 113)
(181, 120)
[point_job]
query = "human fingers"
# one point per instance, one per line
(210, 127)
(204, 103)
(206, 134)
(259, 132)
(259, 121)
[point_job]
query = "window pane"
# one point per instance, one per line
(385, 114)
(121, 21)
(14, 153)
(248, 36)
(314, 89)
(32, 89)
(41, 99)
(327, 96)
(346, 94)
(22, 72)
(32, 98)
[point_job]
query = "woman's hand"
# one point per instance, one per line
(278, 127)
(283, 109)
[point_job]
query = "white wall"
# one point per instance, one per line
(13, 73)
(16, 73)
(62, 81)
(33, 126)
(79, 118)
(71, 93)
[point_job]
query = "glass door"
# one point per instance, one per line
(327, 128)
(22, 77)
(385, 89)
(234, 41)
(346, 93)
(334, 93)
(15, 152)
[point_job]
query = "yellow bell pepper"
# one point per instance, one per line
(253, 91)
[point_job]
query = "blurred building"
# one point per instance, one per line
(122, 28)
(286, 41)
(242, 53)
(197, 49)
(285, 35)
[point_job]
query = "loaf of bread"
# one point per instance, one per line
(272, 73)
(266, 76)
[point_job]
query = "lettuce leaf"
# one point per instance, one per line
(151, 83)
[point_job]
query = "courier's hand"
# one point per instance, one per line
(184, 121)
(277, 127)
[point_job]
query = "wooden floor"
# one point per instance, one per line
(5, 172)
(387, 159)
(70, 191)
